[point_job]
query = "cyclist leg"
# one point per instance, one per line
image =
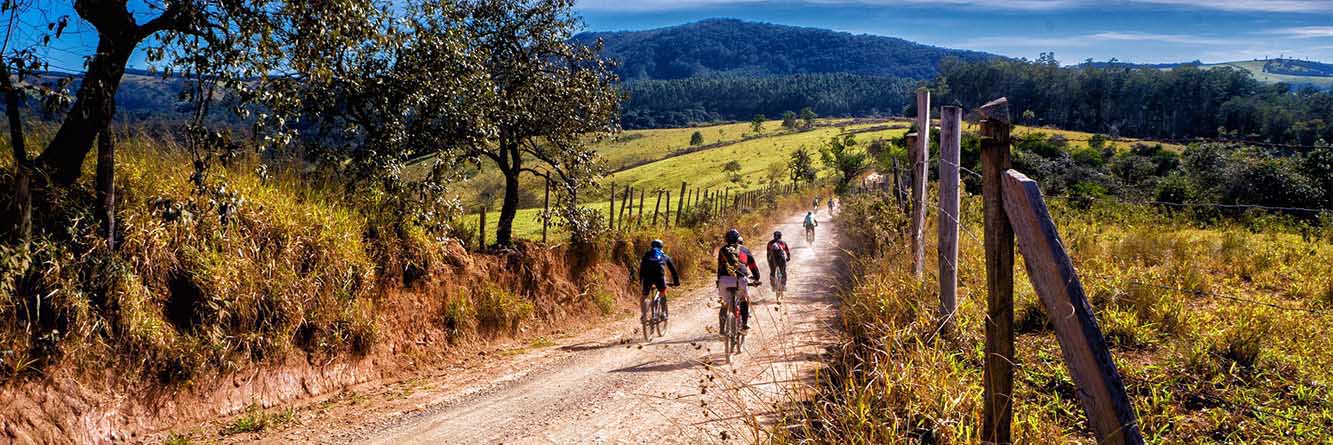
(743, 300)
(662, 287)
(644, 301)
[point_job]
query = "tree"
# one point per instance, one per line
(757, 124)
(732, 166)
(224, 40)
(696, 138)
(789, 120)
(802, 166)
(534, 69)
(838, 154)
(808, 115)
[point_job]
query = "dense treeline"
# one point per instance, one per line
(729, 46)
(1182, 102)
(672, 103)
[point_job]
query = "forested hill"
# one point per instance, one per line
(739, 48)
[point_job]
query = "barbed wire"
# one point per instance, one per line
(1177, 141)
(1194, 204)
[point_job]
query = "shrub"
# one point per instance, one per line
(500, 309)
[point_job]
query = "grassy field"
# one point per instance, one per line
(700, 169)
(1219, 332)
(1256, 68)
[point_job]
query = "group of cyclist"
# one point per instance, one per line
(736, 269)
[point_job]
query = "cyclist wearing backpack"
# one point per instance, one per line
(778, 256)
(652, 273)
(734, 265)
(810, 224)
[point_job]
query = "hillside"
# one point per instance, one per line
(736, 47)
(1286, 70)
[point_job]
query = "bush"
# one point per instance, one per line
(500, 309)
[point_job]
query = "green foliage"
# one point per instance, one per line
(757, 124)
(732, 166)
(789, 120)
(696, 138)
(255, 420)
(808, 117)
(839, 154)
(801, 167)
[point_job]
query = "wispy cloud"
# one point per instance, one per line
(1094, 39)
(1306, 32)
(1250, 5)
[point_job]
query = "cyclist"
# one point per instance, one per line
(810, 224)
(830, 205)
(652, 273)
(815, 204)
(734, 265)
(778, 256)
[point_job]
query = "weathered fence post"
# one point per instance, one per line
(666, 221)
(639, 221)
(919, 163)
(481, 230)
(997, 405)
(611, 213)
(624, 203)
(1100, 390)
(106, 189)
(546, 209)
(951, 140)
(657, 206)
(680, 202)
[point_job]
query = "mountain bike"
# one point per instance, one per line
(732, 329)
(810, 233)
(779, 283)
(656, 322)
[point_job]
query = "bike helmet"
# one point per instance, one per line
(777, 234)
(657, 244)
(733, 236)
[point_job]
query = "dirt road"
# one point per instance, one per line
(608, 386)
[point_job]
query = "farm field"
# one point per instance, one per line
(701, 169)
(1256, 68)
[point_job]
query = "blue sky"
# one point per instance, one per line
(1146, 31)
(1150, 31)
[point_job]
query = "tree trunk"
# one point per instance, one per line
(22, 171)
(106, 192)
(509, 207)
(93, 109)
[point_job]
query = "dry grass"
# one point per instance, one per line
(1217, 330)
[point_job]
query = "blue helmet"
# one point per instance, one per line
(733, 236)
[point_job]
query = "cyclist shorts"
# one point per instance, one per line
(659, 282)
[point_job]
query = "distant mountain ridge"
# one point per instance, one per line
(752, 49)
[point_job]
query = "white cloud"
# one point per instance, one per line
(1251, 5)
(1306, 32)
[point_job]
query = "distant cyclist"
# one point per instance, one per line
(735, 266)
(815, 204)
(778, 256)
(652, 273)
(810, 225)
(830, 205)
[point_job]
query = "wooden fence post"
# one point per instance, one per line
(481, 231)
(546, 210)
(680, 202)
(951, 140)
(997, 403)
(666, 222)
(639, 221)
(611, 213)
(624, 205)
(657, 207)
(919, 163)
(1100, 390)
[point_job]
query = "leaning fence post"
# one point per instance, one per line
(611, 212)
(658, 206)
(1100, 389)
(680, 202)
(919, 162)
(950, 147)
(997, 404)
(640, 220)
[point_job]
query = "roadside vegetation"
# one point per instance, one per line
(1217, 328)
